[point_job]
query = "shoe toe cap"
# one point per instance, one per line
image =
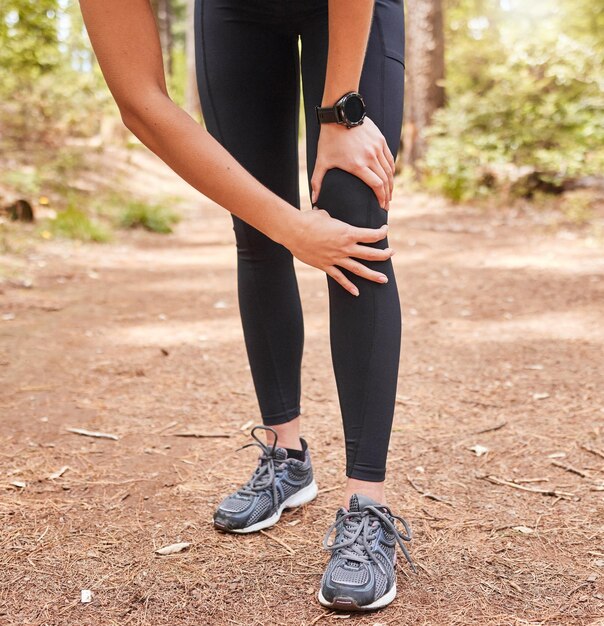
(349, 586)
(232, 513)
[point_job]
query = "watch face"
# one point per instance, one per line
(354, 109)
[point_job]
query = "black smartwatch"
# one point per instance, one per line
(349, 111)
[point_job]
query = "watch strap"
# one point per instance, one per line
(327, 115)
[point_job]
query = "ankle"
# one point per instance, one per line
(372, 490)
(288, 435)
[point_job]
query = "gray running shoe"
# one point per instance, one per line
(361, 575)
(277, 483)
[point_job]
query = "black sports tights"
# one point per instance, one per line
(248, 71)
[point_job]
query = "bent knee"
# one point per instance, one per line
(347, 198)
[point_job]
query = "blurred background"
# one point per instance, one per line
(505, 100)
(125, 389)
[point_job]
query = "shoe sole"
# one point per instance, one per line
(304, 496)
(346, 603)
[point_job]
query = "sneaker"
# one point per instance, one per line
(361, 575)
(277, 483)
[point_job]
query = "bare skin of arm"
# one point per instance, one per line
(361, 150)
(126, 42)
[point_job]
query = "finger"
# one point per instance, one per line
(368, 176)
(363, 271)
(339, 277)
(369, 235)
(315, 182)
(388, 170)
(377, 168)
(370, 254)
(389, 157)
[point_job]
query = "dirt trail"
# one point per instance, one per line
(141, 338)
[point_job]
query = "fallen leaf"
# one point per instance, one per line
(478, 449)
(58, 473)
(173, 548)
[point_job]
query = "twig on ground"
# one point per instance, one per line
(424, 568)
(426, 494)
(163, 429)
(591, 450)
(435, 518)
(202, 435)
(569, 468)
(328, 489)
(406, 400)
(320, 617)
(281, 543)
(487, 405)
(491, 428)
(489, 586)
(546, 492)
(92, 433)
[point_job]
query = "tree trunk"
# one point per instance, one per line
(192, 105)
(163, 15)
(425, 72)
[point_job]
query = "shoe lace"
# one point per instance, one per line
(269, 467)
(358, 531)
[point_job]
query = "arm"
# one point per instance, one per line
(125, 39)
(349, 24)
(362, 151)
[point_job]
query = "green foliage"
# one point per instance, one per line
(50, 89)
(28, 39)
(523, 81)
(73, 223)
(27, 181)
(516, 103)
(152, 217)
(578, 207)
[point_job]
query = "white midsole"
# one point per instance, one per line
(297, 499)
(385, 600)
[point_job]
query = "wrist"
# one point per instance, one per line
(332, 96)
(285, 225)
(349, 110)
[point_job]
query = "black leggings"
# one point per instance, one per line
(248, 72)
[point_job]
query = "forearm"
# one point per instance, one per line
(199, 159)
(349, 26)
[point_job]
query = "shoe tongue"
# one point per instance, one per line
(358, 502)
(280, 454)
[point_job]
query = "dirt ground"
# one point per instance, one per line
(141, 338)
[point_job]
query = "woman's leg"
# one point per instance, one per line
(365, 330)
(248, 78)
